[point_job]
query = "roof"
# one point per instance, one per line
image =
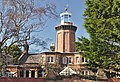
(35, 57)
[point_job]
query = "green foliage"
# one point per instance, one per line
(15, 52)
(102, 22)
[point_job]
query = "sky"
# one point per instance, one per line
(76, 8)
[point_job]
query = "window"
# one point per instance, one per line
(86, 73)
(58, 59)
(9, 74)
(82, 72)
(77, 60)
(67, 60)
(33, 73)
(21, 73)
(50, 59)
(84, 60)
(27, 73)
(64, 60)
(70, 60)
(40, 73)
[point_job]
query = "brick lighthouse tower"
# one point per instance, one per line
(65, 33)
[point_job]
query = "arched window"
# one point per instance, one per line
(64, 60)
(27, 73)
(21, 73)
(33, 73)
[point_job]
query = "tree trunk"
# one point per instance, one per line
(3, 71)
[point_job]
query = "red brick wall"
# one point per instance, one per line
(22, 80)
(114, 80)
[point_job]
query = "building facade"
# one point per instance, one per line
(52, 63)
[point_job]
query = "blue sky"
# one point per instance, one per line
(76, 8)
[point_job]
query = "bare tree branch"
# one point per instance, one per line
(19, 19)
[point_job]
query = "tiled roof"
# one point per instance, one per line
(33, 59)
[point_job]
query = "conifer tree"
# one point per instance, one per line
(102, 49)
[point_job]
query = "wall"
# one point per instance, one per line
(22, 80)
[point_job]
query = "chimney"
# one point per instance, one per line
(52, 47)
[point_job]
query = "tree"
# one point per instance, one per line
(15, 51)
(19, 19)
(102, 22)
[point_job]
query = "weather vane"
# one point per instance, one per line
(66, 7)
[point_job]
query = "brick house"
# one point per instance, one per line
(52, 62)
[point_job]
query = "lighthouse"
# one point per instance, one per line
(65, 33)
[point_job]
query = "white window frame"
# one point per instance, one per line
(84, 60)
(70, 59)
(77, 60)
(51, 59)
(10, 74)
